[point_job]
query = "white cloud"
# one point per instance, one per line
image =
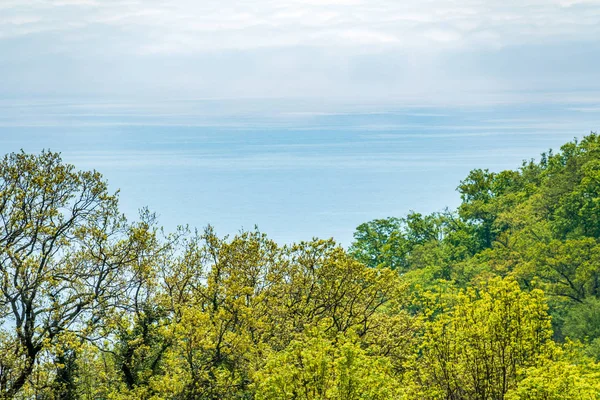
(424, 51)
(190, 26)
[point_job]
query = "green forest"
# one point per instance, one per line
(497, 299)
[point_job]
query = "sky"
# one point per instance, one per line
(304, 117)
(380, 50)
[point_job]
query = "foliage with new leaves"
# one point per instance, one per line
(498, 300)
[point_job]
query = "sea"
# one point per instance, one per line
(295, 169)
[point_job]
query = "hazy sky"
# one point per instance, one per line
(306, 117)
(389, 50)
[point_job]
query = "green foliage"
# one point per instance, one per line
(475, 348)
(583, 323)
(389, 242)
(569, 377)
(380, 243)
(63, 246)
(317, 367)
(497, 300)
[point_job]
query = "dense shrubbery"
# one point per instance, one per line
(496, 300)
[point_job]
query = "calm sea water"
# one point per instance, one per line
(295, 169)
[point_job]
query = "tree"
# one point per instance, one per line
(93, 306)
(476, 348)
(388, 242)
(582, 323)
(380, 243)
(63, 250)
(568, 376)
(314, 367)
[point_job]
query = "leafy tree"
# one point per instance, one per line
(315, 367)
(476, 349)
(460, 304)
(389, 242)
(567, 377)
(63, 248)
(380, 243)
(582, 323)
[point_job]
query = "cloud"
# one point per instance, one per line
(424, 51)
(189, 26)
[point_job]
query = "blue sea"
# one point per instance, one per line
(296, 169)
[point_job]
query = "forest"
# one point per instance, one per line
(497, 299)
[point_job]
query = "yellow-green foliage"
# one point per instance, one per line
(475, 349)
(474, 304)
(569, 376)
(321, 368)
(561, 380)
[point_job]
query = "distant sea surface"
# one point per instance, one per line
(297, 169)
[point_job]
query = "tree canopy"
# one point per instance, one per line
(496, 300)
